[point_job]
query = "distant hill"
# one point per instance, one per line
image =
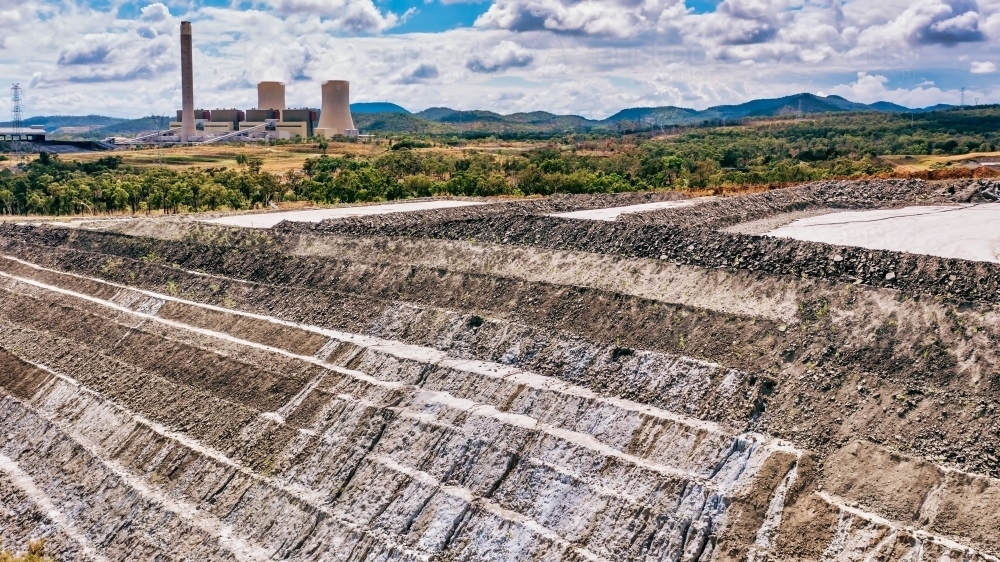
(799, 103)
(389, 117)
(788, 105)
(53, 122)
(643, 117)
(436, 113)
(377, 107)
(400, 123)
(127, 128)
(890, 107)
(657, 115)
(938, 107)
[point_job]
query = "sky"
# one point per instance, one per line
(583, 57)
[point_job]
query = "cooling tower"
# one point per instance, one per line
(187, 83)
(335, 118)
(271, 95)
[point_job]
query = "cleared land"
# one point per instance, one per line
(911, 163)
(492, 382)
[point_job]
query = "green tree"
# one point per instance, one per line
(8, 200)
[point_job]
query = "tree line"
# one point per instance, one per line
(766, 153)
(52, 186)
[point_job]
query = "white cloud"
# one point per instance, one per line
(354, 16)
(107, 57)
(606, 18)
(742, 22)
(155, 13)
(928, 22)
(420, 73)
(505, 55)
(586, 57)
(872, 88)
(983, 68)
(11, 15)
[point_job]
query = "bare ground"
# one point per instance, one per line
(447, 386)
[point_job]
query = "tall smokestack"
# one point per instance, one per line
(187, 83)
(271, 95)
(336, 116)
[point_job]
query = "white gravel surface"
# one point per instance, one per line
(970, 232)
(614, 212)
(267, 220)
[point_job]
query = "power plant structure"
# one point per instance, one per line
(187, 83)
(271, 95)
(270, 120)
(336, 116)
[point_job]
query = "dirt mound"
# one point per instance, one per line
(492, 383)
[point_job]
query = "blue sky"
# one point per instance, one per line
(435, 17)
(588, 57)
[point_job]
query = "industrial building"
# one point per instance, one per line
(34, 138)
(270, 120)
(34, 133)
(266, 124)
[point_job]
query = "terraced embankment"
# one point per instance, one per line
(302, 394)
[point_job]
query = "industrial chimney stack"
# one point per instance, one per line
(335, 118)
(271, 95)
(187, 84)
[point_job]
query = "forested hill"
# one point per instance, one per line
(442, 120)
(387, 117)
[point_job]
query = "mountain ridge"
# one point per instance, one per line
(445, 119)
(390, 117)
(377, 107)
(766, 107)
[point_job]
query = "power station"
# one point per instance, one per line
(270, 120)
(336, 116)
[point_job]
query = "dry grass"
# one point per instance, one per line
(909, 163)
(36, 553)
(276, 159)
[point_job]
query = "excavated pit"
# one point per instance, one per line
(494, 383)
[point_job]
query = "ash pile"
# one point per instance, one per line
(498, 383)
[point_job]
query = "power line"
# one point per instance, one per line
(16, 116)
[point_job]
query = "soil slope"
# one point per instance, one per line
(492, 383)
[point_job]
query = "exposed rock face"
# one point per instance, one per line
(171, 391)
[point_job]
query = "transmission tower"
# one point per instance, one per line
(16, 116)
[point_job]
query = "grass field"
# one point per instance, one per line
(276, 159)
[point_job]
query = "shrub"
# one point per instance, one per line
(36, 553)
